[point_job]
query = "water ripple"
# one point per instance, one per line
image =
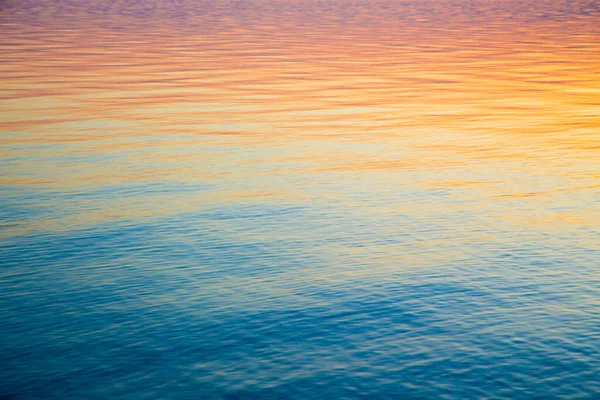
(307, 199)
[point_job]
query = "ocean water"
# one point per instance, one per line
(277, 199)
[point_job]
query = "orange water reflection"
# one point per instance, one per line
(500, 101)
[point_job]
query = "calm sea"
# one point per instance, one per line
(289, 200)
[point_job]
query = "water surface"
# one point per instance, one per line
(273, 199)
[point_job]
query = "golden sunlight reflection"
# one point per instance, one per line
(493, 108)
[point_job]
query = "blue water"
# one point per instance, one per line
(238, 203)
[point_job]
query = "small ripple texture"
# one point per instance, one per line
(300, 199)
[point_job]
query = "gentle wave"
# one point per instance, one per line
(299, 199)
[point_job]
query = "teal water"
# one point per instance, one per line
(300, 200)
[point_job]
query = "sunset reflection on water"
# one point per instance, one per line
(226, 174)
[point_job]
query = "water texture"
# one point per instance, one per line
(276, 199)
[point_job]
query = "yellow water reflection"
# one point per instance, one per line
(500, 99)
